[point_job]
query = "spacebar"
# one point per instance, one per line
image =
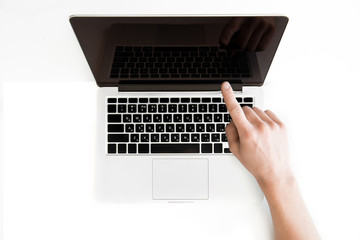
(175, 148)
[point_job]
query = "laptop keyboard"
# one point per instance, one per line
(166, 62)
(168, 125)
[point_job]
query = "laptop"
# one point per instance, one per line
(161, 116)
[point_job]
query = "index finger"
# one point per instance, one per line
(236, 112)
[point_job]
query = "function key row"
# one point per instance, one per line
(175, 100)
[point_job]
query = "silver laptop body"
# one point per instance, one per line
(161, 116)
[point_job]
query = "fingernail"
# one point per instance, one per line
(226, 85)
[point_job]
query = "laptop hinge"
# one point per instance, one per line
(201, 85)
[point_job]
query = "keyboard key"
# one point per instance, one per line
(129, 128)
(202, 108)
(172, 108)
(121, 148)
(139, 127)
(132, 108)
(180, 128)
(216, 100)
(111, 108)
(215, 137)
(195, 100)
(144, 137)
(177, 118)
(182, 108)
(114, 118)
(217, 117)
(192, 108)
(175, 148)
(185, 100)
(206, 100)
(115, 128)
(208, 118)
(118, 137)
(195, 137)
(227, 150)
(174, 100)
(155, 137)
(218, 148)
(185, 137)
(175, 137)
(164, 100)
(154, 100)
(160, 128)
(170, 128)
(122, 100)
(157, 118)
(206, 148)
(190, 127)
(223, 137)
(248, 99)
(222, 108)
(122, 108)
(152, 108)
(126, 118)
(248, 105)
(134, 137)
(187, 118)
(167, 118)
(165, 137)
(220, 127)
(142, 108)
(162, 108)
(149, 127)
(131, 148)
(239, 99)
(147, 118)
(205, 137)
(133, 100)
(111, 148)
(143, 100)
(212, 108)
(200, 127)
(210, 127)
(227, 118)
(197, 118)
(136, 118)
(111, 100)
(143, 148)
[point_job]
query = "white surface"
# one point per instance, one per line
(184, 179)
(48, 146)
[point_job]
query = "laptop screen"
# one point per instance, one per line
(195, 51)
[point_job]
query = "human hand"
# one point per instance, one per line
(258, 139)
(247, 33)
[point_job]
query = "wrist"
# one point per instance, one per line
(277, 185)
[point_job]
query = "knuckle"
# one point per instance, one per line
(267, 111)
(235, 108)
(247, 134)
(262, 127)
(272, 125)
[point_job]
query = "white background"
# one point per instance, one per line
(48, 108)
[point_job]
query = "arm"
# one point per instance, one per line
(259, 140)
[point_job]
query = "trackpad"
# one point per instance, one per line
(180, 179)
